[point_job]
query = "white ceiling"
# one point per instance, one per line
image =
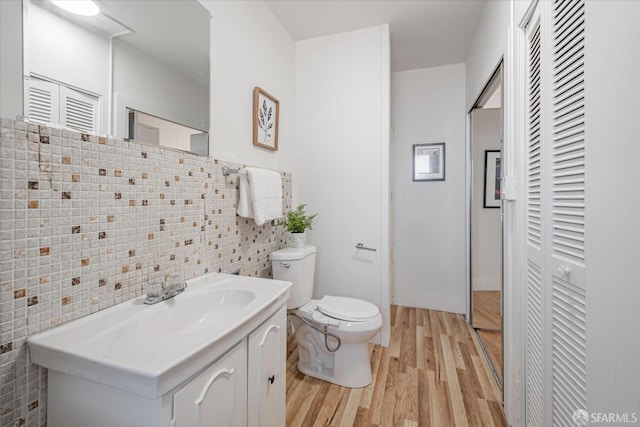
(424, 33)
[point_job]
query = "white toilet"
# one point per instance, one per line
(326, 324)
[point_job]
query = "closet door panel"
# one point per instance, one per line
(535, 335)
(556, 295)
(43, 99)
(567, 144)
(566, 259)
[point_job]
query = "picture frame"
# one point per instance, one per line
(266, 116)
(429, 162)
(492, 179)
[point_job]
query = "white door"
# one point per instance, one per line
(556, 289)
(342, 116)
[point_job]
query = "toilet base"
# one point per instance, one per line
(348, 367)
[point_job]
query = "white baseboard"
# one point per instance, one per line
(486, 284)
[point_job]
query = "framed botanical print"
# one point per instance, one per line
(266, 113)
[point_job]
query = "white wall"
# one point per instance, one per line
(488, 46)
(82, 63)
(142, 82)
(612, 195)
(249, 47)
(428, 105)
(70, 54)
(11, 93)
(486, 228)
(342, 130)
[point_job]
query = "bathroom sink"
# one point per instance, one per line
(196, 310)
(148, 349)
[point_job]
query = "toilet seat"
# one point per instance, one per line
(310, 311)
(350, 309)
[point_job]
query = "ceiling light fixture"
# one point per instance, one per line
(79, 7)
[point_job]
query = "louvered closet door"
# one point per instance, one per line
(556, 294)
(49, 102)
(535, 370)
(566, 259)
(78, 111)
(43, 99)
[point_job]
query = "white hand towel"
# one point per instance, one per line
(266, 194)
(245, 207)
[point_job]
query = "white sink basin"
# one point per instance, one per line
(192, 311)
(148, 349)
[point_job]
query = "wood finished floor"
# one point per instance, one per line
(487, 319)
(492, 341)
(432, 374)
(486, 310)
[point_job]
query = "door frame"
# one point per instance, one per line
(497, 73)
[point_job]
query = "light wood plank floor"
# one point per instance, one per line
(492, 341)
(432, 374)
(486, 310)
(487, 319)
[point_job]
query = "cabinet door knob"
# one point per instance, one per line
(271, 379)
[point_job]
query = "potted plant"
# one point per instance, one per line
(296, 222)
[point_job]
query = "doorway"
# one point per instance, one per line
(486, 254)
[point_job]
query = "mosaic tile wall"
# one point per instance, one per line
(89, 222)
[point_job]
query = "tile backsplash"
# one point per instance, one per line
(88, 222)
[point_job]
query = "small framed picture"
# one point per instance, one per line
(428, 162)
(266, 113)
(492, 176)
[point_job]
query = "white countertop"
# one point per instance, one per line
(150, 349)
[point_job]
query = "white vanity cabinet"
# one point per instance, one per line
(267, 372)
(213, 355)
(227, 394)
(216, 397)
(244, 387)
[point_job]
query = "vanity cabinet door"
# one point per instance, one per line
(267, 369)
(218, 396)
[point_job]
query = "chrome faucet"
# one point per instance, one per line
(166, 292)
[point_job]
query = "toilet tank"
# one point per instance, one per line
(296, 265)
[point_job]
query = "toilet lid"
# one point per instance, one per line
(347, 308)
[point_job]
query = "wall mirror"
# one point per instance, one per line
(99, 74)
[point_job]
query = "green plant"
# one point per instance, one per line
(297, 220)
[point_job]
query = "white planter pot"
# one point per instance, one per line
(298, 239)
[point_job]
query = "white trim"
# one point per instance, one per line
(525, 18)
(385, 117)
(514, 219)
(486, 284)
(467, 216)
(436, 301)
